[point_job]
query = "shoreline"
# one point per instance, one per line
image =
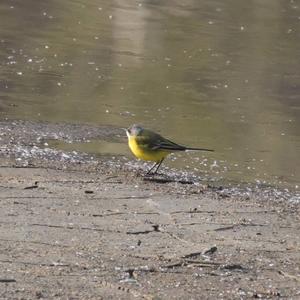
(74, 227)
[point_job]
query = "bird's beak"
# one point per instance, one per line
(127, 133)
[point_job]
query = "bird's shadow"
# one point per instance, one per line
(162, 178)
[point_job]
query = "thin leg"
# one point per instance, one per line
(159, 163)
(152, 168)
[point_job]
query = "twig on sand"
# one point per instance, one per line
(35, 186)
(7, 280)
(155, 227)
(54, 264)
(74, 227)
(297, 278)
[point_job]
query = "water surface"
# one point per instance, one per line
(223, 75)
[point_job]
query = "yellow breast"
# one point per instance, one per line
(146, 154)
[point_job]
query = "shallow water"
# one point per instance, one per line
(215, 74)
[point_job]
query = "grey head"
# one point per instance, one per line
(134, 130)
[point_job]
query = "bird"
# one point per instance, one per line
(148, 145)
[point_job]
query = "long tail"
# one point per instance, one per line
(169, 145)
(199, 149)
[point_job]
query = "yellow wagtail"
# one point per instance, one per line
(148, 145)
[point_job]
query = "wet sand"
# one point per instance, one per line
(76, 227)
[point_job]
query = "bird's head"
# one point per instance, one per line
(134, 130)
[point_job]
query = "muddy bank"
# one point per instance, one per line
(78, 227)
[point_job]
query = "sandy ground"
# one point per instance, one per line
(73, 228)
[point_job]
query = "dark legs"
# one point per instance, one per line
(157, 165)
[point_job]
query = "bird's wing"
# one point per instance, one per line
(169, 145)
(154, 141)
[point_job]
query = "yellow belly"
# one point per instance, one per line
(152, 155)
